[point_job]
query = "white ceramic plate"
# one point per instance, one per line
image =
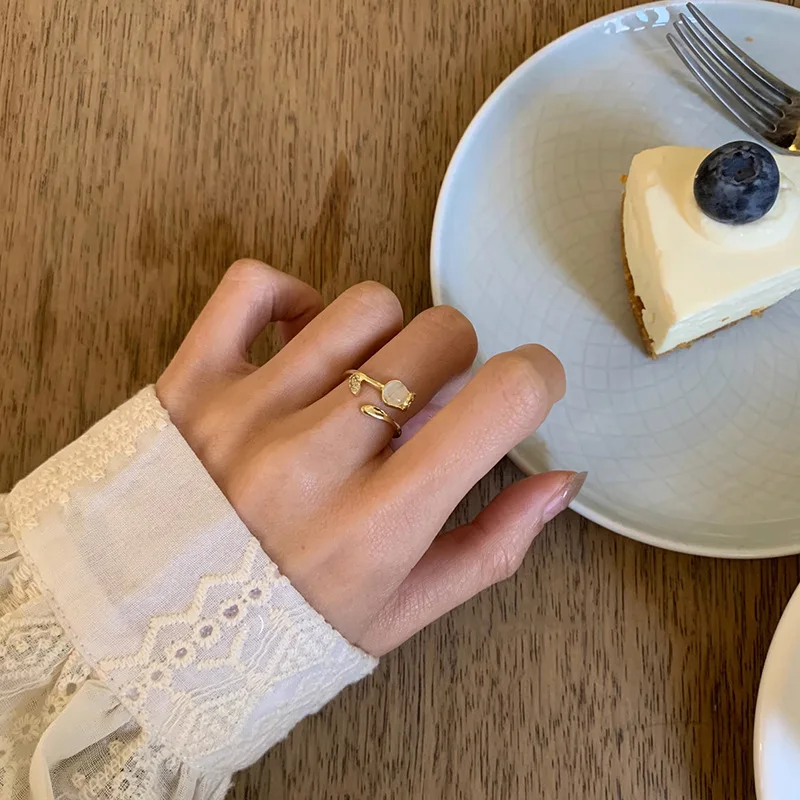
(699, 451)
(777, 728)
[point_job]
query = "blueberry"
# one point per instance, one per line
(738, 183)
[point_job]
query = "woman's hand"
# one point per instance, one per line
(352, 523)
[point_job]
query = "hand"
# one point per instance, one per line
(351, 522)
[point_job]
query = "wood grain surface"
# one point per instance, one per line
(143, 147)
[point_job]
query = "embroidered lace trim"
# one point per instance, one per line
(201, 674)
(86, 460)
(231, 664)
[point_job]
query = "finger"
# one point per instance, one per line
(357, 324)
(250, 296)
(469, 559)
(434, 348)
(505, 402)
(437, 403)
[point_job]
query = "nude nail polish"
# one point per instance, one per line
(565, 495)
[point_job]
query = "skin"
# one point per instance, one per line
(352, 521)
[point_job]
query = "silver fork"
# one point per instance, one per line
(765, 105)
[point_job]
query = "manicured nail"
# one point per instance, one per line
(565, 495)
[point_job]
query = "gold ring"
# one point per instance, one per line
(394, 393)
(379, 413)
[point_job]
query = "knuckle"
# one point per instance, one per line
(248, 270)
(377, 299)
(502, 563)
(522, 387)
(452, 322)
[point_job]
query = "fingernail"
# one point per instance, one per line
(565, 495)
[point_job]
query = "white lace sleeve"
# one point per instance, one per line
(148, 646)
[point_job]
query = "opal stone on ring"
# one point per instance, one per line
(394, 394)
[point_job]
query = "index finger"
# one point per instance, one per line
(506, 401)
(250, 295)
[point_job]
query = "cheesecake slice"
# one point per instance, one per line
(697, 259)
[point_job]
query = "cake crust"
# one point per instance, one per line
(636, 305)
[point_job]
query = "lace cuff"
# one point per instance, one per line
(169, 599)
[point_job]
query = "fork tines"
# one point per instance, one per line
(753, 95)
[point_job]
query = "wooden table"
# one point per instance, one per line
(145, 145)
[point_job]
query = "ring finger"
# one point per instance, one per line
(434, 348)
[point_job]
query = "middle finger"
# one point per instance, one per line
(505, 402)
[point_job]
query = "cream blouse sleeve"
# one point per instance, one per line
(148, 646)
